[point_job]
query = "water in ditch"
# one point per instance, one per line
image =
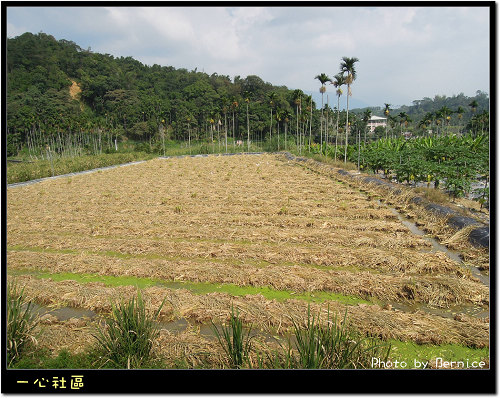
(470, 310)
(438, 247)
(176, 326)
(63, 313)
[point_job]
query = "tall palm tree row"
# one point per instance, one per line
(348, 69)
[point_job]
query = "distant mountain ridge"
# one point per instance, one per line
(429, 105)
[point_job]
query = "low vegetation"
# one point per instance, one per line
(127, 337)
(21, 322)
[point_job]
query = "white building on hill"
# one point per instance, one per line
(376, 121)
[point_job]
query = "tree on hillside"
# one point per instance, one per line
(121, 99)
(402, 118)
(445, 113)
(473, 106)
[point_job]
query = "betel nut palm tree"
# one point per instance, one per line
(347, 68)
(460, 112)
(473, 106)
(323, 79)
(338, 82)
(446, 115)
(247, 101)
(297, 99)
(366, 118)
(272, 101)
(386, 113)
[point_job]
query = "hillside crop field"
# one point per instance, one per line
(262, 233)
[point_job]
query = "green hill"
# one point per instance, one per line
(56, 87)
(76, 101)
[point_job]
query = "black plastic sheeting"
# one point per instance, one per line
(479, 236)
(440, 210)
(460, 222)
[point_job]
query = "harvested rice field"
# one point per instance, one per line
(262, 233)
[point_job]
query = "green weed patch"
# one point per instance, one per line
(420, 356)
(196, 287)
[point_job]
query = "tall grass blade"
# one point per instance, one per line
(127, 338)
(233, 341)
(21, 320)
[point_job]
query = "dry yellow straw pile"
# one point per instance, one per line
(245, 220)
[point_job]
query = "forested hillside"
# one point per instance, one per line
(122, 98)
(80, 102)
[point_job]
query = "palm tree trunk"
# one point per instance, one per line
(326, 124)
(225, 127)
(321, 124)
(234, 140)
(271, 125)
(248, 130)
(286, 124)
(347, 124)
(310, 126)
(278, 125)
(359, 145)
(298, 132)
(337, 128)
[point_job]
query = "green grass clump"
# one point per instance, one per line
(316, 346)
(21, 321)
(127, 338)
(233, 341)
(334, 346)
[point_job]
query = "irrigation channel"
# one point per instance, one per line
(181, 324)
(475, 311)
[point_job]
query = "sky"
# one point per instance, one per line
(405, 53)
